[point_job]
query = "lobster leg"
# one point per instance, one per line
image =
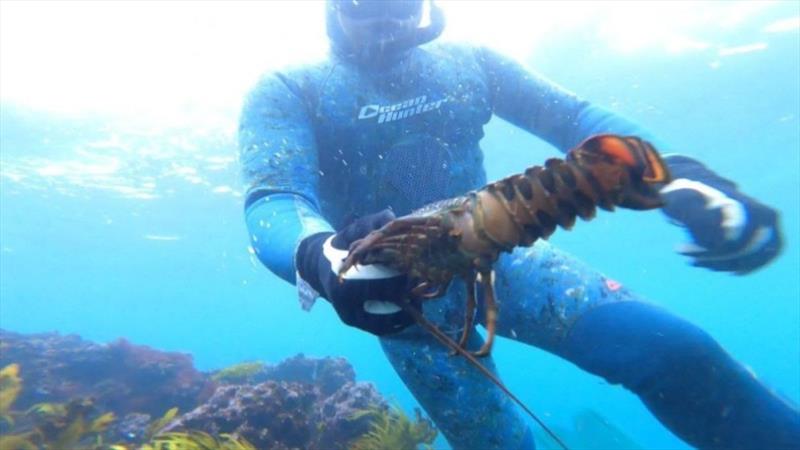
(428, 290)
(486, 278)
(392, 239)
(469, 314)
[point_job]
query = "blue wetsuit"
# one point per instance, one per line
(323, 144)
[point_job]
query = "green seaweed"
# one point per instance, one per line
(10, 387)
(58, 426)
(197, 440)
(391, 429)
(55, 425)
(17, 442)
(160, 423)
(239, 373)
(47, 410)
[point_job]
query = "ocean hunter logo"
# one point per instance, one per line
(401, 110)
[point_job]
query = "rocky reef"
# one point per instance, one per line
(62, 389)
(120, 377)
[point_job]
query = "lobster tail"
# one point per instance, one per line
(626, 168)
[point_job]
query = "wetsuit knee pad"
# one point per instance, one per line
(683, 376)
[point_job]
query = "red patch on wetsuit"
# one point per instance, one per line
(612, 285)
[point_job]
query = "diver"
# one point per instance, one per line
(391, 119)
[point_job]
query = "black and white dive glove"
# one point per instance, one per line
(731, 231)
(368, 295)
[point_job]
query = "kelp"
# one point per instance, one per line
(157, 425)
(68, 425)
(74, 425)
(10, 387)
(197, 440)
(17, 442)
(391, 429)
(55, 425)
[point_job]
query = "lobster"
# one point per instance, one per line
(464, 236)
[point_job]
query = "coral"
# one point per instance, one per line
(391, 429)
(239, 373)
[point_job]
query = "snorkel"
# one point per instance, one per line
(398, 33)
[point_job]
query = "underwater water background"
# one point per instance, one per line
(121, 205)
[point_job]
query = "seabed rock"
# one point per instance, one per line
(303, 403)
(120, 377)
(300, 403)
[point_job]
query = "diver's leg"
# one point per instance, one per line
(683, 376)
(471, 412)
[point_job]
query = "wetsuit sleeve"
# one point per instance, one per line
(547, 110)
(278, 154)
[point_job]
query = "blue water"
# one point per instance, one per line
(109, 228)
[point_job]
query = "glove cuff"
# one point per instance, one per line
(306, 293)
(307, 260)
(685, 167)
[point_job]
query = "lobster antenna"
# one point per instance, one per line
(452, 345)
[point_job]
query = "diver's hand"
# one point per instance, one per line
(367, 296)
(731, 231)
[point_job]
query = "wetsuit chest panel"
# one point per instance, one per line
(400, 137)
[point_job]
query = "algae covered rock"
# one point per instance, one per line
(340, 416)
(285, 414)
(120, 377)
(328, 374)
(63, 389)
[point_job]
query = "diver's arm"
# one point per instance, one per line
(547, 110)
(278, 154)
(277, 223)
(731, 232)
